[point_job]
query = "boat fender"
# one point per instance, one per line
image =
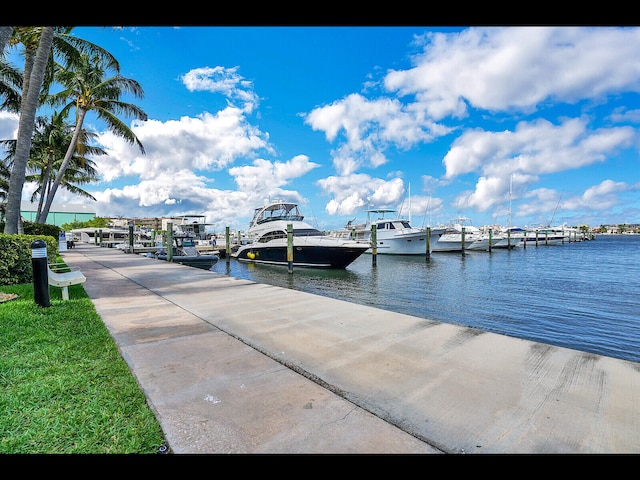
(251, 255)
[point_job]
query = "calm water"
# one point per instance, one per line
(584, 295)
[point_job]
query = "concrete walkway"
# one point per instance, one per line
(233, 366)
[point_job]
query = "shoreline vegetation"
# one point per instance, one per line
(65, 387)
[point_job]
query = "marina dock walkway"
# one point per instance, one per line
(233, 366)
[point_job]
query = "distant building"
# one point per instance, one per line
(150, 223)
(622, 228)
(59, 213)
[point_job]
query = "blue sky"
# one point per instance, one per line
(341, 119)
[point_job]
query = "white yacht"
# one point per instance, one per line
(268, 237)
(394, 235)
(509, 237)
(452, 238)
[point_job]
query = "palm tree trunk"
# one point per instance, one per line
(42, 217)
(25, 131)
(5, 35)
(44, 189)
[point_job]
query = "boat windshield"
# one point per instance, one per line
(398, 224)
(278, 211)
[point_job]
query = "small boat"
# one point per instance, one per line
(394, 235)
(509, 237)
(193, 226)
(545, 236)
(482, 244)
(452, 240)
(269, 240)
(186, 253)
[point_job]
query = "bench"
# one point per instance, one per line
(61, 276)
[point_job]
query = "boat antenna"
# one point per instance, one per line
(555, 210)
(409, 203)
(399, 213)
(315, 219)
(510, 192)
(428, 209)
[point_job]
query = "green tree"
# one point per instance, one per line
(97, 222)
(51, 140)
(86, 89)
(41, 46)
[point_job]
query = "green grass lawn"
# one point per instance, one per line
(64, 387)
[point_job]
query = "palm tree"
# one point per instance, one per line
(64, 46)
(25, 130)
(48, 150)
(51, 140)
(87, 90)
(41, 46)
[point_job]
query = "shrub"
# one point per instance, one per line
(15, 256)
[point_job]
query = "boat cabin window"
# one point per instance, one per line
(267, 237)
(306, 232)
(299, 232)
(385, 226)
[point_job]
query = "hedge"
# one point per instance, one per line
(15, 257)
